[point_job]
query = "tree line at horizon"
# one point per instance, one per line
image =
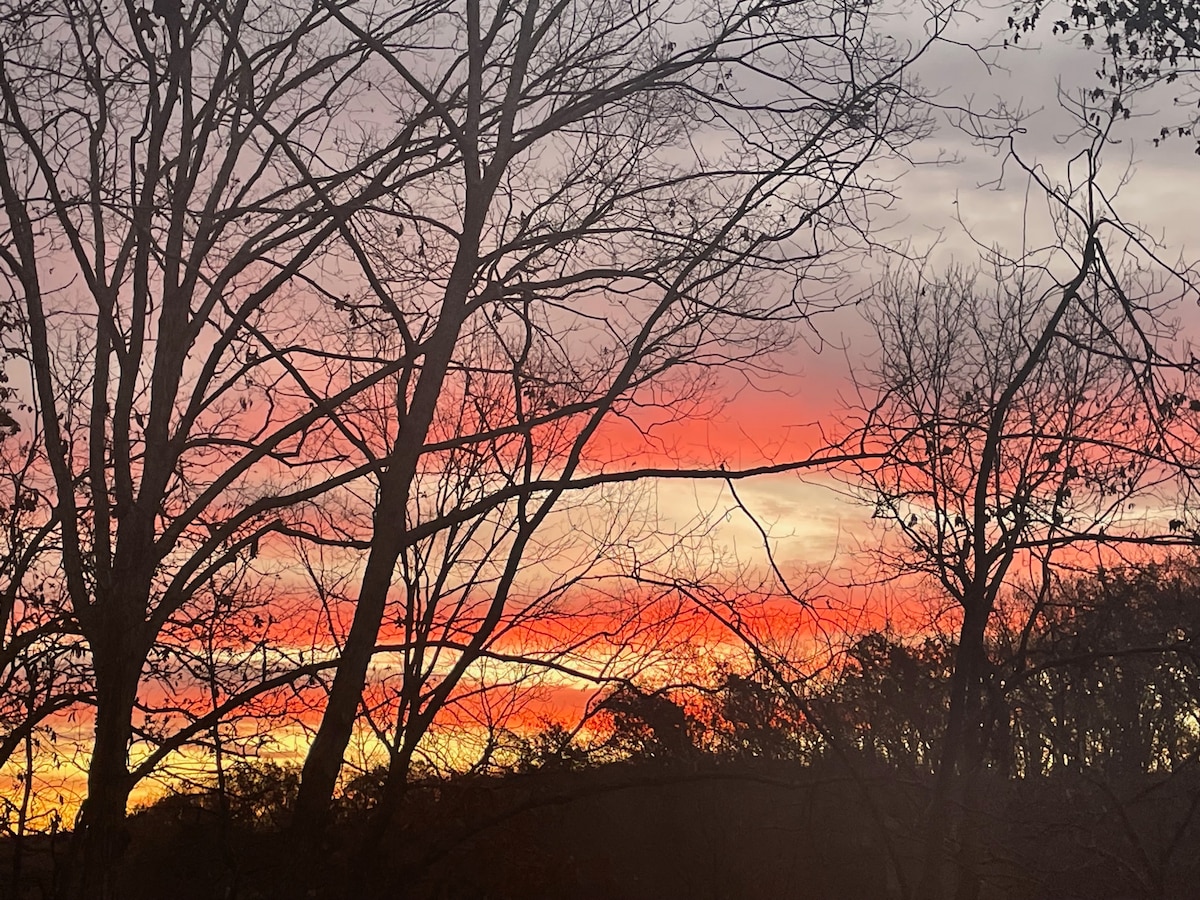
(333, 334)
(1093, 742)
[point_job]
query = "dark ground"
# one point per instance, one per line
(658, 831)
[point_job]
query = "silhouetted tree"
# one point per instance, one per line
(1023, 415)
(1107, 678)
(752, 718)
(890, 699)
(646, 724)
(613, 253)
(171, 201)
(1141, 44)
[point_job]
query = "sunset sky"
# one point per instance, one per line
(956, 186)
(957, 195)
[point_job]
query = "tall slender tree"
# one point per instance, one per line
(173, 181)
(640, 194)
(1030, 417)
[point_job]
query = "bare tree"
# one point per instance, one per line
(172, 182)
(461, 606)
(1032, 419)
(616, 200)
(635, 198)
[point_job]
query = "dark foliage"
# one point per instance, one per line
(1142, 42)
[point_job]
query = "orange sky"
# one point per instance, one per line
(812, 528)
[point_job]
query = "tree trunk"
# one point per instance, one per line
(100, 835)
(970, 839)
(370, 874)
(961, 754)
(323, 762)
